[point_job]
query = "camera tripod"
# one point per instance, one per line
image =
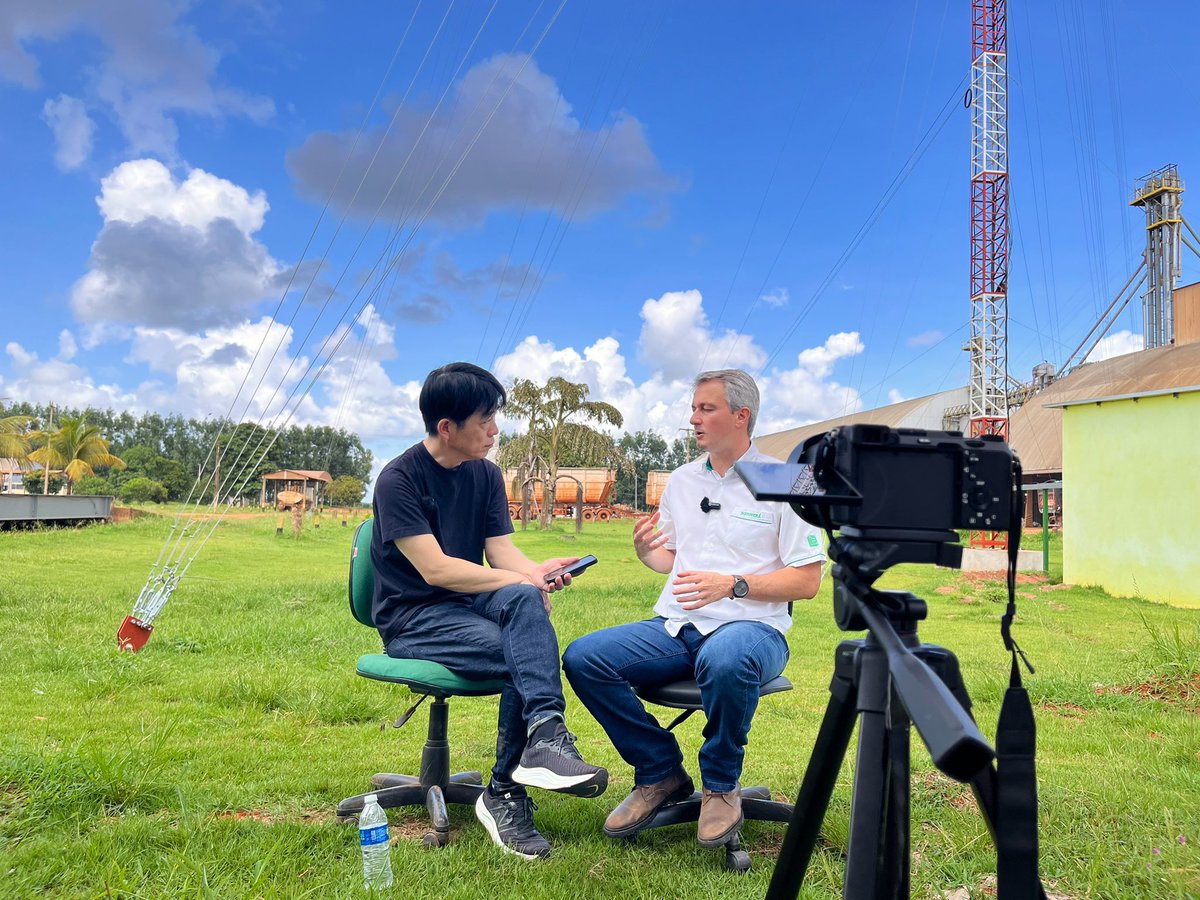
(890, 682)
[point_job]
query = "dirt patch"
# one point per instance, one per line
(1056, 587)
(1183, 692)
(242, 815)
(946, 589)
(1001, 575)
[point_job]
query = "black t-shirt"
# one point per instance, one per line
(460, 507)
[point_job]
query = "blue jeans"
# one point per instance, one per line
(730, 665)
(504, 634)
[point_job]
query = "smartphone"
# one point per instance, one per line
(573, 569)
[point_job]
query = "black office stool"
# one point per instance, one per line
(757, 804)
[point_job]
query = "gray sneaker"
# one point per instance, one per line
(508, 818)
(551, 762)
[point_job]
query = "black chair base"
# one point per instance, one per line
(435, 788)
(757, 805)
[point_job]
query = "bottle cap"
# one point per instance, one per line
(371, 798)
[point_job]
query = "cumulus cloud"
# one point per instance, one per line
(662, 402)
(676, 337)
(73, 130)
(153, 65)
(532, 153)
(34, 378)
(1116, 345)
(174, 253)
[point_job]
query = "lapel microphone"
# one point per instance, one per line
(705, 506)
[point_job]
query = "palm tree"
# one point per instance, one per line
(553, 413)
(76, 448)
(15, 437)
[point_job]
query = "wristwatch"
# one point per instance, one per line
(740, 587)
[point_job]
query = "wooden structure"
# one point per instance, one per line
(294, 487)
(595, 484)
(656, 481)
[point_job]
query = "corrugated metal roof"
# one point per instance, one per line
(298, 475)
(920, 412)
(1035, 430)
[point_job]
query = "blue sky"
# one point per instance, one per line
(205, 206)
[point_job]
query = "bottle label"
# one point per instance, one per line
(368, 837)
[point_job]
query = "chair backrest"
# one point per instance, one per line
(362, 573)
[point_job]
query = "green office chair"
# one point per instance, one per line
(435, 786)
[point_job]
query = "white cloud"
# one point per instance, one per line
(676, 339)
(67, 347)
(926, 338)
(174, 254)
(36, 380)
(152, 66)
(1116, 345)
(777, 297)
(894, 396)
(73, 130)
(662, 402)
(549, 159)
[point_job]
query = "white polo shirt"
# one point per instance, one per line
(744, 537)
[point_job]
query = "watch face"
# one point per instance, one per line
(740, 588)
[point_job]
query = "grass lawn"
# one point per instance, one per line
(209, 764)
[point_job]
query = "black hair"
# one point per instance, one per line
(456, 392)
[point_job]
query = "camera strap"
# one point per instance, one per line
(1016, 740)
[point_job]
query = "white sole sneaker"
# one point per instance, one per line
(589, 784)
(484, 815)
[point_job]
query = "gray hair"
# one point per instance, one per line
(740, 390)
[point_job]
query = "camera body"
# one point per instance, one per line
(875, 479)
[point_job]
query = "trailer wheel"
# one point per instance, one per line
(588, 515)
(603, 515)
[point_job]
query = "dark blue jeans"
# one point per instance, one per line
(730, 665)
(505, 634)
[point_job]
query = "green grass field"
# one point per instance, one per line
(208, 765)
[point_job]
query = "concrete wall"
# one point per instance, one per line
(1131, 496)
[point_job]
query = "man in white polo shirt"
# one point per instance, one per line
(735, 563)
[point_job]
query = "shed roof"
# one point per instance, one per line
(1035, 430)
(298, 475)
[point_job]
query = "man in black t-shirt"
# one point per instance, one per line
(440, 511)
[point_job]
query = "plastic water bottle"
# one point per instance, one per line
(376, 851)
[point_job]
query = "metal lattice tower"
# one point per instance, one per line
(1159, 193)
(988, 345)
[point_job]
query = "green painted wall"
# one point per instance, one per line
(1131, 497)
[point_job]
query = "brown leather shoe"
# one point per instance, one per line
(645, 800)
(720, 816)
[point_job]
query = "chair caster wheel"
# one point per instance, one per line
(347, 820)
(737, 860)
(435, 839)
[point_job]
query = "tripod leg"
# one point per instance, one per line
(819, 778)
(872, 770)
(895, 862)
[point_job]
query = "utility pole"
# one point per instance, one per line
(46, 465)
(217, 476)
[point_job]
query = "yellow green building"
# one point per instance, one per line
(1132, 494)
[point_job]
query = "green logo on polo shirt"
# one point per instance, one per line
(813, 541)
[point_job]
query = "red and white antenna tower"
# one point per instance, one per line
(987, 398)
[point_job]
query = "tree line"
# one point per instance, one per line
(155, 457)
